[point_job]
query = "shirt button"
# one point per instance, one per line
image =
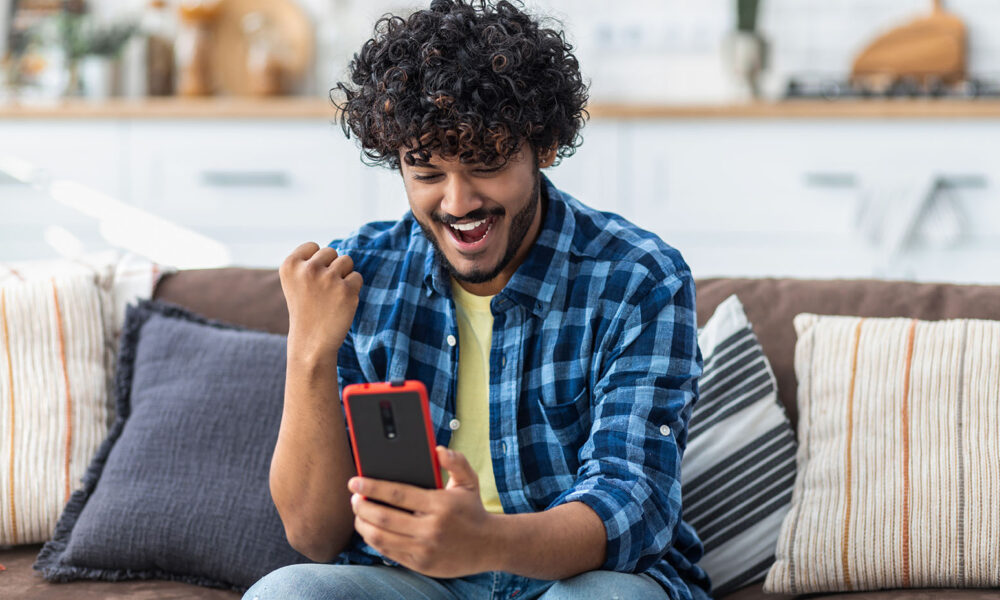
(665, 429)
(451, 340)
(503, 361)
(503, 447)
(454, 424)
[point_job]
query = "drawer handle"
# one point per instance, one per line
(270, 179)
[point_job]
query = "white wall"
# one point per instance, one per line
(676, 41)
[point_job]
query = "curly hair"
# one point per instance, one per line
(466, 79)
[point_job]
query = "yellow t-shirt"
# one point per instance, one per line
(472, 403)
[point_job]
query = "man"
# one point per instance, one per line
(558, 344)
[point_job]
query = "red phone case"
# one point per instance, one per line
(409, 386)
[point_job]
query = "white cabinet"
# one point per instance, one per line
(261, 188)
(90, 153)
(737, 196)
(792, 197)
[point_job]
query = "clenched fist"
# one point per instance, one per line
(322, 291)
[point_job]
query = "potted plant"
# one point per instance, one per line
(92, 51)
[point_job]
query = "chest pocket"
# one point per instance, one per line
(570, 420)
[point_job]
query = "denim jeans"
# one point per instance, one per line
(335, 582)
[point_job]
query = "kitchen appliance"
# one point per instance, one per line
(832, 86)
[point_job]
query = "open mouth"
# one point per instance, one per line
(471, 235)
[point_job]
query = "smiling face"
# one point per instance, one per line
(481, 219)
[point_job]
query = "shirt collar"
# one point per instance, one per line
(535, 281)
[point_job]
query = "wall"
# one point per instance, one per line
(677, 42)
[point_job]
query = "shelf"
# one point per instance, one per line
(320, 108)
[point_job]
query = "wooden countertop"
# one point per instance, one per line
(319, 108)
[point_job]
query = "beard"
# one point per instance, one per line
(519, 226)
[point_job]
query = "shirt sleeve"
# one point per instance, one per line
(642, 400)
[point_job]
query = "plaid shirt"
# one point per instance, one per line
(593, 372)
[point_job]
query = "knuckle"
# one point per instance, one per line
(397, 497)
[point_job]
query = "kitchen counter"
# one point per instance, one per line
(313, 108)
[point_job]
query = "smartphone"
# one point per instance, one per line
(391, 433)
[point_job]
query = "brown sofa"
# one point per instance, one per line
(253, 298)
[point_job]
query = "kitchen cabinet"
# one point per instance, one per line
(261, 188)
(782, 197)
(740, 192)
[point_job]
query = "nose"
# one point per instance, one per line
(460, 196)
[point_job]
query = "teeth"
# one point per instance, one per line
(468, 226)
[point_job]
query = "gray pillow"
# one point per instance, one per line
(179, 488)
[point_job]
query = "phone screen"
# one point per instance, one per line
(390, 437)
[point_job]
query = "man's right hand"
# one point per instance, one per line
(322, 291)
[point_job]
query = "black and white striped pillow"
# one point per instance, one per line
(739, 466)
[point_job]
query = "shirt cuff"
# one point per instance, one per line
(622, 518)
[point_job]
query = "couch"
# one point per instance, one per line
(253, 298)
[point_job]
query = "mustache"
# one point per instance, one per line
(476, 215)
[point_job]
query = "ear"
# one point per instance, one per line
(547, 157)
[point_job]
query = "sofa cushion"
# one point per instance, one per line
(19, 581)
(739, 465)
(54, 408)
(250, 298)
(179, 489)
(898, 482)
(771, 304)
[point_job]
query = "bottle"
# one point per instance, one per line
(194, 60)
(160, 32)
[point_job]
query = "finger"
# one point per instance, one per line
(304, 251)
(324, 256)
(460, 472)
(354, 280)
(383, 517)
(400, 495)
(388, 543)
(343, 265)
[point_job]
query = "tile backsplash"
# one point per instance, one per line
(670, 50)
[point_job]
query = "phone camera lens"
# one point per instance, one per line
(388, 421)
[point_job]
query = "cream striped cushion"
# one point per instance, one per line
(898, 480)
(54, 408)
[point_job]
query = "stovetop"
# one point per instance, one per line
(832, 87)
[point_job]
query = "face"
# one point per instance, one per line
(481, 219)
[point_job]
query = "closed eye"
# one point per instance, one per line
(427, 177)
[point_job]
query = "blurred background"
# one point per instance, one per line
(842, 138)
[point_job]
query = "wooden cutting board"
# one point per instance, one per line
(292, 29)
(928, 47)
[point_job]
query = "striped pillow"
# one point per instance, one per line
(899, 459)
(54, 408)
(739, 465)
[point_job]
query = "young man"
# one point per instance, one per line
(558, 344)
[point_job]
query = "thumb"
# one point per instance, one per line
(460, 472)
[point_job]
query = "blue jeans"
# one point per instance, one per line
(313, 581)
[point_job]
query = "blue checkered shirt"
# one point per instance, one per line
(593, 372)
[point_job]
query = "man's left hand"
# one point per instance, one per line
(446, 534)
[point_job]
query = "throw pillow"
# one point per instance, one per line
(179, 489)
(739, 465)
(123, 277)
(898, 483)
(53, 399)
